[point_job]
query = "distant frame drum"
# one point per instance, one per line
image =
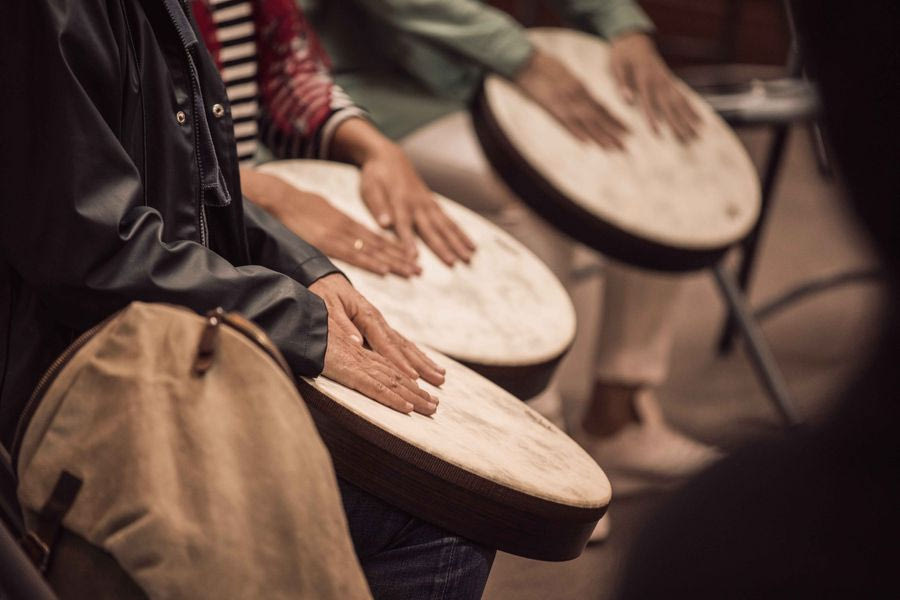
(485, 466)
(504, 315)
(659, 205)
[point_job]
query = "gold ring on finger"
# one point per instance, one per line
(358, 244)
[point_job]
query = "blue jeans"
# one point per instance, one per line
(405, 558)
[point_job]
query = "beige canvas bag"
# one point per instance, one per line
(201, 471)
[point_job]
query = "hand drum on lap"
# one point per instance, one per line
(484, 466)
(660, 204)
(504, 315)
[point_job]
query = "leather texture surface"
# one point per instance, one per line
(119, 184)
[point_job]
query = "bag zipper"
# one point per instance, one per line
(250, 330)
(45, 381)
(214, 318)
(209, 339)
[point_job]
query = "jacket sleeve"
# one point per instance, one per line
(607, 18)
(275, 246)
(73, 220)
(492, 38)
(469, 28)
(301, 105)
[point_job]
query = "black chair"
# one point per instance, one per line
(778, 99)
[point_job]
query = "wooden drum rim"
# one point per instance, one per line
(444, 494)
(484, 466)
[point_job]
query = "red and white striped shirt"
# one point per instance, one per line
(276, 74)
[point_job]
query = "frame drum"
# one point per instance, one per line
(485, 466)
(504, 315)
(659, 204)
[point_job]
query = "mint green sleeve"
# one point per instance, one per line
(606, 18)
(479, 32)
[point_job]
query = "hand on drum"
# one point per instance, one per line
(334, 233)
(388, 371)
(643, 77)
(399, 200)
(550, 83)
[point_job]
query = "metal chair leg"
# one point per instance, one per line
(758, 349)
(823, 160)
(750, 245)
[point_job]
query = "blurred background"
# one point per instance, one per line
(691, 32)
(810, 253)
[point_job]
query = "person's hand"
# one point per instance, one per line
(643, 78)
(550, 83)
(394, 193)
(321, 224)
(388, 371)
(400, 200)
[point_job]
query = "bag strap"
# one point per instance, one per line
(39, 540)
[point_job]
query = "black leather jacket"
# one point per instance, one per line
(118, 182)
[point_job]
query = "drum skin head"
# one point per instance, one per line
(504, 315)
(484, 466)
(659, 204)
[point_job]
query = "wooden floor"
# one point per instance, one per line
(819, 343)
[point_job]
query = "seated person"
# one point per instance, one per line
(122, 184)
(276, 75)
(415, 66)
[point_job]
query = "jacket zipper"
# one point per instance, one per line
(201, 202)
(195, 91)
(204, 231)
(234, 321)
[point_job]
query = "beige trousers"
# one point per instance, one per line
(636, 310)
